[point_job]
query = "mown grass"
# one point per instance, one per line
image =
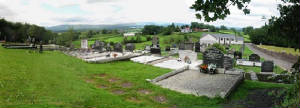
(52, 79)
(281, 49)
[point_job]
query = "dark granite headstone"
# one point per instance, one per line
(213, 56)
(237, 55)
(155, 51)
(197, 47)
(228, 62)
(267, 66)
(98, 45)
(130, 47)
(254, 57)
(118, 47)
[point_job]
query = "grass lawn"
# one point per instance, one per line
(52, 79)
(280, 49)
(277, 69)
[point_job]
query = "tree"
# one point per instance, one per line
(211, 10)
(223, 27)
(152, 29)
(247, 30)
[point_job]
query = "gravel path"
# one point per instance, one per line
(279, 62)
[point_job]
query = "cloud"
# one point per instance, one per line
(56, 12)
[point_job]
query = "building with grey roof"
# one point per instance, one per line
(209, 39)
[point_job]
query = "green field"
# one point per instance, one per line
(52, 79)
(281, 49)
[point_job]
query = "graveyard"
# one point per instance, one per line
(155, 74)
(119, 83)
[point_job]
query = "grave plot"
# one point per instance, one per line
(175, 64)
(145, 59)
(199, 84)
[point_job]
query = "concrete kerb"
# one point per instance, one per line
(114, 59)
(167, 75)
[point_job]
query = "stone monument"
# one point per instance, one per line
(197, 47)
(98, 46)
(84, 44)
(130, 47)
(228, 62)
(267, 66)
(254, 57)
(118, 47)
(237, 55)
(213, 56)
(155, 48)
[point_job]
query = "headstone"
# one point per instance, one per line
(155, 49)
(186, 46)
(254, 57)
(197, 47)
(181, 46)
(188, 56)
(267, 66)
(213, 56)
(155, 42)
(168, 48)
(228, 62)
(147, 48)
(84, 44)
(108, 47)
(98, 46)
(118, 47)
(237, 55)
(130, 47)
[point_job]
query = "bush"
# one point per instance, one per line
(220, 47)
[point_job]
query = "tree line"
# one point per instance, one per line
(20, 32)
(279, 31)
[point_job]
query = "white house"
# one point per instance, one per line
(209, 39)
(129, 34)
(186, 30)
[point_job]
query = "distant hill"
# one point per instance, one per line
(83, 27)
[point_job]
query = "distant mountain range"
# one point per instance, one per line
(83, 27)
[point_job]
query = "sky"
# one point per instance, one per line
(57, 12)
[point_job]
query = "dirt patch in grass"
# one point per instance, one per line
(144, 91)
(126, 85)
(89, 81)
(160, 99)
(118, 92)
(102, 86)
(102, 75)
(133, 99)
(112, 80)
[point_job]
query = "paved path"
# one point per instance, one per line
(279, 62)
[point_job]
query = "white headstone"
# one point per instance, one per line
(188, 54)
(84, 44)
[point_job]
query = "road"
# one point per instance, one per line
(279, 62)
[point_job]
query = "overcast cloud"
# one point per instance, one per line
(57, 12)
